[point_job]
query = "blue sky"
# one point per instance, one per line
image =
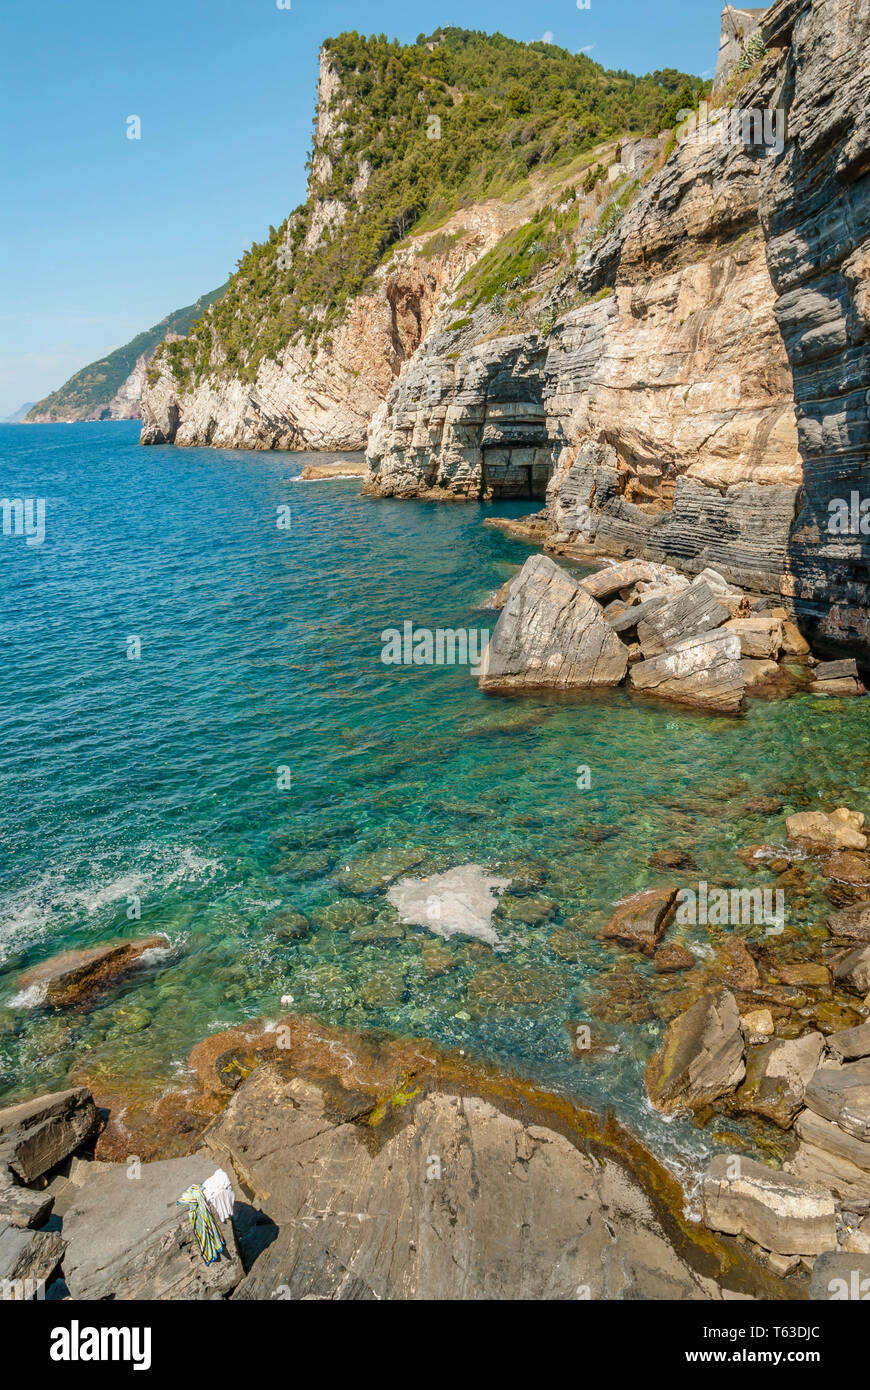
(100, 235)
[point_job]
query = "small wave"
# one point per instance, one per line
(126, 886)
(29, 998)
(49, 904)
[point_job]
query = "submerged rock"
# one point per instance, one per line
(508, 985)
(853, 970)
(287, 925)
(847, 866)
(71, 979)
(370, 872)
(851, 922)
(737, 966)
(672, 957)
(459, 902)
(551, 634)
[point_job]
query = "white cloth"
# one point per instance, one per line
(218, 1192)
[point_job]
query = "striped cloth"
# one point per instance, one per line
(205, 1228)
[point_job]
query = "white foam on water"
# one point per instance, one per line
(50, 903)
(29, 998)
(92, 899)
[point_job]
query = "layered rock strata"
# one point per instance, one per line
(707, 404)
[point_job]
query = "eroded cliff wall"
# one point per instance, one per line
(708, 400)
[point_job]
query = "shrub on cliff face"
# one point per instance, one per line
(434, 126)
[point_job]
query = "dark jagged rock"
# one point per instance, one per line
(39, 1133)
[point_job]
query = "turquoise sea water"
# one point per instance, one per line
(260, 649)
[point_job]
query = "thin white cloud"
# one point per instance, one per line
(547, 37)
(588, 49)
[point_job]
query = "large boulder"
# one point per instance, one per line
(22, 1206)
(628, 617)
(551, 634)
(842, 829)
(761, 636)
(850, 1043)
(827, 1135)
(703, 671)
(71, 978)
(701, 1056)
(779, 1211)
(842, 1095)
(610, 580)
(640, 921)
(817, 1162)
(777, 1075)
(695, 611)
(38, 1133)
(127, 1238)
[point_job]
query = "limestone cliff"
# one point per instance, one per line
(324, 398)
(320, 318)
(705, 400)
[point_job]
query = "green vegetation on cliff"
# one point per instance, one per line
(88, 392)
(419, 131)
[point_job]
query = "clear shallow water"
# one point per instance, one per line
(260, 649)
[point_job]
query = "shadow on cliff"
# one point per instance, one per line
(815, 211)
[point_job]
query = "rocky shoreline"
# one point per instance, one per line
(701, 642)
(363, 1168)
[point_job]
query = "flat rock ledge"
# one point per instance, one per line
(372, 1168)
